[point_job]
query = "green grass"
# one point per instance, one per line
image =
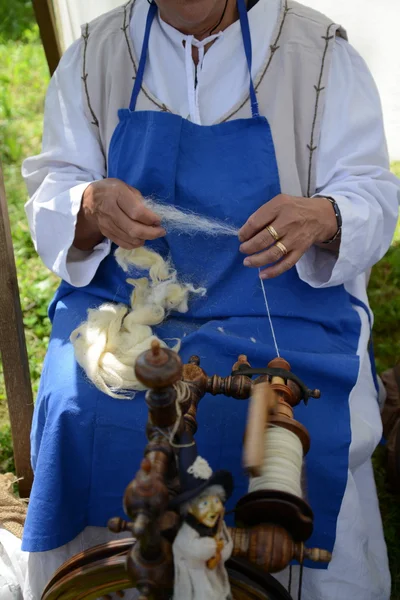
(384, 295)
(23, 80)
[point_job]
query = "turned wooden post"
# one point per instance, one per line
(46, 20)
(272, 548)
(146, 498)
(14, 354)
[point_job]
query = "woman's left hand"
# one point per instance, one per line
(298, 222)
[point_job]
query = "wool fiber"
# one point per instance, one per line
(108, 343)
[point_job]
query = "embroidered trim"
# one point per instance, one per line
(318, 89)
(84, 77)
(125, 29)
(273, 48)
(128, 10)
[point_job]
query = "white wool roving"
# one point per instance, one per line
(114, 335)
(186, 222)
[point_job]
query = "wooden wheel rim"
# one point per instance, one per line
(86, 578)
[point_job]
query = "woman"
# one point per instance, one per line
(260, 115)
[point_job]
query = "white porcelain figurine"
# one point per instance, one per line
(203, 544)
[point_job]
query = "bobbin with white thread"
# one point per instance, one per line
(272, 402)
(282, 464)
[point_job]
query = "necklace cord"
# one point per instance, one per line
(221, 19)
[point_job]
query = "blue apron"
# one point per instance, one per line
(86, 447)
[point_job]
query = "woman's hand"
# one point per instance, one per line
(110, 208)
(298, 222)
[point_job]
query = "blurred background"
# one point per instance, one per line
(372, 27)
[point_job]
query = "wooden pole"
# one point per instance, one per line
(46, 20)
(14, 354)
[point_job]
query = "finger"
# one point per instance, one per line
(259, 242)
(258, 220)
(267, 257)
(132, 204)
(146, 232)
(125, 245)
(282, 266)
(135, 229)
(113, 232)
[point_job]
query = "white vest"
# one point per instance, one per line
(290, 85)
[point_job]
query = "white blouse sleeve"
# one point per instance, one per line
(353, 168)
(71, 159)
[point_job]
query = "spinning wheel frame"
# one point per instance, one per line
(102, 570)
(103, 552)
(146, 564)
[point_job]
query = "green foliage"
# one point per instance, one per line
(390, 510)
(6, 452)
(384, 295)
(23, 80)
(17, 21)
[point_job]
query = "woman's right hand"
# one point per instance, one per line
(113, 209)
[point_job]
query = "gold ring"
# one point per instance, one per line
(282, 248)
(272, 232)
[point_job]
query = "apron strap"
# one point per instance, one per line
(244, 23)
(143, 57)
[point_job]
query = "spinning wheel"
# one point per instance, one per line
(273, 524)
(102, 571)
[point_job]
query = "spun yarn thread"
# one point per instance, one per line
(282, 464)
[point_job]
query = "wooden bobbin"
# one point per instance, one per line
(272, 404)
(287, 398)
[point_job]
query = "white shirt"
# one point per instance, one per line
(352, 163)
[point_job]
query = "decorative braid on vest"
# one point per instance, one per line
(85, 37)
(128, 8)
(318, 89)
